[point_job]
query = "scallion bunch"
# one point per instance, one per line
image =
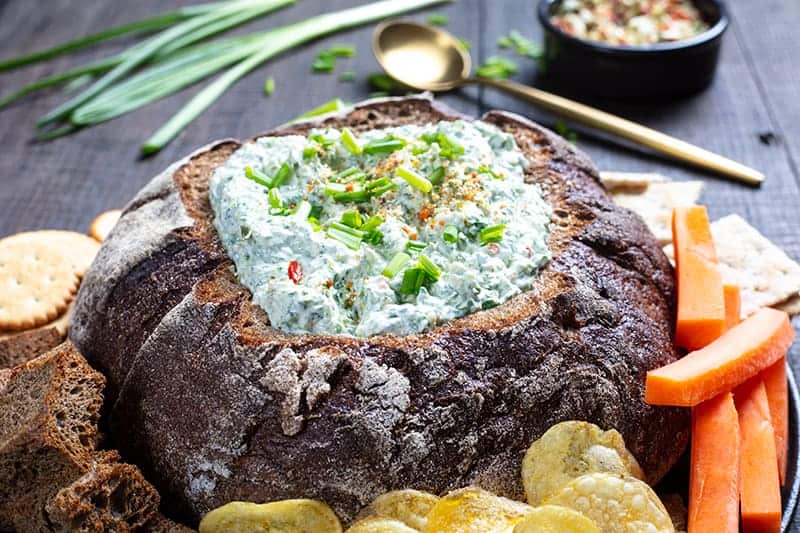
(178, 52)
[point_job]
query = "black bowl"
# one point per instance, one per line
(659, 71)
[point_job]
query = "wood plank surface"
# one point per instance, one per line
(64, 183)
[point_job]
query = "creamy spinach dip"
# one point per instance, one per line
(388, 231)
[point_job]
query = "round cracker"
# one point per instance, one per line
(78, 249)
(37, 283)
(103, 224)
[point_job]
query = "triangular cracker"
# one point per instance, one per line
(765, 274)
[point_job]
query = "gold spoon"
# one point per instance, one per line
(430, 59)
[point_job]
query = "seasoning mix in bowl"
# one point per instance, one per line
(629, 22)
(632, 49)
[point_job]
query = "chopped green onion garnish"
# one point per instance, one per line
(315, 223)
(370, 228)
(328, 107)
(372, 223)
(374, 237)
(497, 68)
(342, 50)
(413, 280)
(283, 174)
(347, 229)
(315, 212)
(274, 199)
(415, 246)
(384, 146)
(414, 179)
(491, 234)
(257, 176)
(324, 63)
(332, 188)
(429, 267)
(352, 219)
(447, 148)
(396, 264)
(340, 176)
(348, 239)
(356, 195)
(374, 184)
(269, 86)
(321, 140)
(450, 234)
(437, 19)
(350, 142)
(566, 132)
(420, 149)
(310, 152)
(379, 190)
(383, 82)
(483, 169)
(437, 175)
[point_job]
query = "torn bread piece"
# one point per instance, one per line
(656, 203)
(631, 182)
(766, 276)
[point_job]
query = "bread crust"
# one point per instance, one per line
(215, 405)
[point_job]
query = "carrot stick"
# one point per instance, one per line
(714, 478)
(733, 305)
(701, 302)
(741, 353)
(778, 397)
(759, 488)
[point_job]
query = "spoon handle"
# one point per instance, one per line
(627, 129)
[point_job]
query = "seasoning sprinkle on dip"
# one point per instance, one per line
(629, 22)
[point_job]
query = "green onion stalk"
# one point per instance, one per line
(275, 42)
(140, 26)
(229, 15)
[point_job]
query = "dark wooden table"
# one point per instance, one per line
(751, 113)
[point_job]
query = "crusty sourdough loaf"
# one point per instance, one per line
(215, 405)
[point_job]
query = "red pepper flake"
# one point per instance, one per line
(348, 187)
(295, 272)
(424, 213)
(329, 283)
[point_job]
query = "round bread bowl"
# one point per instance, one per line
(215, 405)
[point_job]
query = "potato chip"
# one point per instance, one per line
(555, 519)
(380, 524)
(616, 504)
(571, 449)
(286, 516)
(409, 506)
(474, 510)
